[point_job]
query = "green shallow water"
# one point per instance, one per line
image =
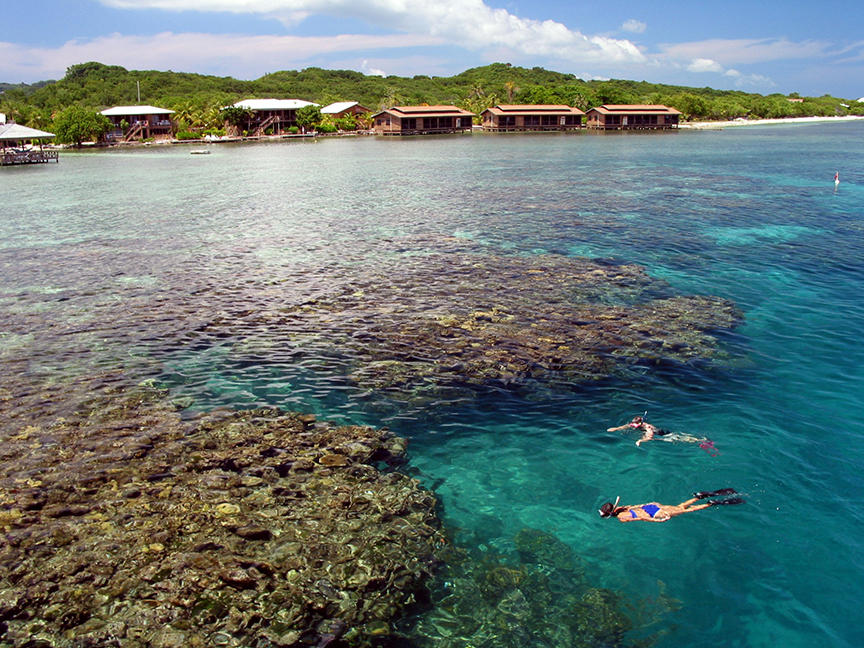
(119, 259)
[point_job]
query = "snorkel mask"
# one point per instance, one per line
(612, 510)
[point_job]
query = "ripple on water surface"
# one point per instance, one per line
(263, 278)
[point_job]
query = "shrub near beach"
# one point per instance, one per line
(76, 125)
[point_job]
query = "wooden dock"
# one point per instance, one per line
(28, 157)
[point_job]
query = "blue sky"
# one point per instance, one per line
(756, 46)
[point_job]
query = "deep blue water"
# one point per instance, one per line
(749, 214)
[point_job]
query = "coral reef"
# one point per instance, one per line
(407, 322)
(123, 525)
(543, 599)
(477, 319)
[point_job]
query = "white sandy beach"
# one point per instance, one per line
(764, 122)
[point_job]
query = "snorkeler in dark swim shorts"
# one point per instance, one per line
(652, 431)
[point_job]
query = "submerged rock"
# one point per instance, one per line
(230, 530)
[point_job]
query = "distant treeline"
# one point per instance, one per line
(197, 98)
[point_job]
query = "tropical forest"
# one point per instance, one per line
(198, 100)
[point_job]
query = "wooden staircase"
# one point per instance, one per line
(137, 129)
(273, 119)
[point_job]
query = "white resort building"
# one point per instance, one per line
(133, 123)
(277, 115)
(342, 108)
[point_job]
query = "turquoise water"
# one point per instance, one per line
(157, 263)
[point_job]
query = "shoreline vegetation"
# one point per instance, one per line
(199, 101)
(697, 126)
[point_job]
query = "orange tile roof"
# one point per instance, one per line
(644, 109)
(424, 111)
(534, 109)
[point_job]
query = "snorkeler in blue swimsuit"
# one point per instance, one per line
(654, 512)
(650, 509)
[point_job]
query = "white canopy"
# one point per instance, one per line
(273, 104)
(15, 131)
(338, 107)
(124, 111)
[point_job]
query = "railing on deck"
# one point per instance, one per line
(28, 157)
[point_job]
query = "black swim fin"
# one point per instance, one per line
(727, 502)
(717, 493)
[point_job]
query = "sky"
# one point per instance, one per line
(762, 46)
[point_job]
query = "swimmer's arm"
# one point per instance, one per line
(646, 437)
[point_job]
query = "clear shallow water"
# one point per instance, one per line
(119, 259)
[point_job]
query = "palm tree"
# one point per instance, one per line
(393, 98)
(212, 117)
(183, 115)
(511, 89)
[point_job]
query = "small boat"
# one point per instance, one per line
(836, 178)
(199, 152)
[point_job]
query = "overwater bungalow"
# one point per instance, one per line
(275, 115)
(16, 145)
(135, 123)
(342, 109)
(506, 117)
(632, 117)
(422, 120)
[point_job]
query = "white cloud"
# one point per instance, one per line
(704, 65)
(239, 56)
(700, 65)
(468, 23)
(370, 70)
(634, 26)
(494, 35)
(749, 79)
(745, 51)
(717, 54)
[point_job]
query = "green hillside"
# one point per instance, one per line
(197, 98)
